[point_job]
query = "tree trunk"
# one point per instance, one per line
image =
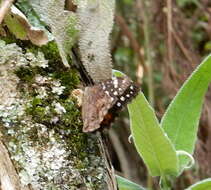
(42, 145)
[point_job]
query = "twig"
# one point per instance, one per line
(121, 153)
(182, 47)
(5, 6)
(110, 179)
(134, 44)
(169, 28)
(142, 6)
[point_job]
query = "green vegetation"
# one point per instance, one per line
(166, 148)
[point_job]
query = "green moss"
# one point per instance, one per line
(8, 39)
(37, 109)
(68, 78)
(50, 51)
(25, 74)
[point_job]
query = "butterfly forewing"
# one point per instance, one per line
(101, 101)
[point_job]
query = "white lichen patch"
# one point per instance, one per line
(36, 61)
(8, 93)
(40, 61)
(54, 120)
(42, 84)
(9, 114)
(59, 108)
(57, 88)
(52, 164)
(39, 79)
(42, 92)
(41, 168)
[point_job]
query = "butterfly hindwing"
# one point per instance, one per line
(96, 104)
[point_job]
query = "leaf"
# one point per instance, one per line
(63, 24)
(125, 184)
(150, 140)
(96, 22)
(201, 185)
(117, 73)
(181, 119)
(18, 24)
(32, 17)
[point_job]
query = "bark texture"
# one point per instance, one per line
(42, 146)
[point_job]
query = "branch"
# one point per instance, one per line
(126, 31)
(5, 6)
(169, 28)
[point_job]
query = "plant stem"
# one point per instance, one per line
(148, 50)
(165, 183)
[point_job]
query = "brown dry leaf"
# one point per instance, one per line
(78, 95)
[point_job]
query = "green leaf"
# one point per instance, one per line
(19, 25)
(201, 185)
(125, 184)
(150, 140)
(15, 27)
(207, 46)
(117, 73)
(181, 119)
(32, 17)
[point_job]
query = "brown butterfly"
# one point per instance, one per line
(102, 101)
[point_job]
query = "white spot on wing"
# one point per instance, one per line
(115, 93)
(118, 104)
(122, 98)
(115, 82)
(124, 81)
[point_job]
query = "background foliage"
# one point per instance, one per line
(158, 44)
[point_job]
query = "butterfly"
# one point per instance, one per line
(102, 101)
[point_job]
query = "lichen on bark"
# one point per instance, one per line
(41, 124)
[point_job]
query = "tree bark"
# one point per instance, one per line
(42, 145)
